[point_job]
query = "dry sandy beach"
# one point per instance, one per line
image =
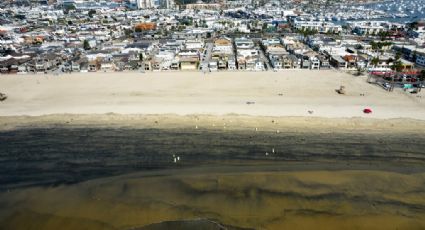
(286, 93)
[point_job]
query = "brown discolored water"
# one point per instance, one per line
(75, 178)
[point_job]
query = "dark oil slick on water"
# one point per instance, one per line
(55, 156)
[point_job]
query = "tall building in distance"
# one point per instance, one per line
(145, 4)
(165, 4)
(169, 4)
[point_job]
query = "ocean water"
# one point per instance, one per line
(130, 179)
(414, 9)
(34, 157)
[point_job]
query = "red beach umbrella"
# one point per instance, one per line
(367, 110)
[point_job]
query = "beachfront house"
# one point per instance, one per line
(294, 61)
(93, 66)
(13, 65)
(163, 59)
(45, 62)
(76, 65)
(305, 61)
(276, 53)
(231, 64)
(175, 65)
(338, 62)
(189, 62)
(189, 59)
(222, 52)
(213, 66)
(276, 61)
(314, 63)
(246, 58)
(351, 61)
(22, 69)
(246, 54)
(107, 66)
(223, 45)
(324, 62)
(259, 65)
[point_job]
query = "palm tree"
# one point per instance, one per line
(397, 67)
(374, 62)
(421, 79)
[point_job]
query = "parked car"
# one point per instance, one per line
(386, 85)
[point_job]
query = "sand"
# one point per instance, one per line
(286, 93)
(229, 122)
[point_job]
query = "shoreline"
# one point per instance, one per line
(229, 122)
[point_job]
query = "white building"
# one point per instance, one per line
(244, 43)
(321, 27)
(145, 4)
(420, 57)
(194, 44)
(223, 45)
(368, 27)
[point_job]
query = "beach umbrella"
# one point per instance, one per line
(367, 110)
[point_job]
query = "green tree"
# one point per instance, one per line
(413, 25)
(68, 8)
(383, 35)
(91, 13)
(181, 28)
(358, 47)
(127, 33)
(375, 46)
(397, 67)
(86, 45)
(375, 61)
